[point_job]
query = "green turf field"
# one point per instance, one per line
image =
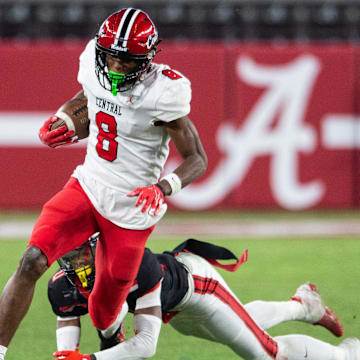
(274, 270)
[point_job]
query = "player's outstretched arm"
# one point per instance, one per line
(147, 324)
(186, 139)
(188, 144)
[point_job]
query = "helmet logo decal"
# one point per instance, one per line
(119, 48)
(151, 40)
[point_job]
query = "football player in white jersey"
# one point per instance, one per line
(187, 292)
(135, 107)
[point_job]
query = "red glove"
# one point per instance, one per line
(56, 137)
(152, 195)
(72, 355)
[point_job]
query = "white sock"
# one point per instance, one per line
(3, 350)
(68, 337)
(270, 313)
(301, 347)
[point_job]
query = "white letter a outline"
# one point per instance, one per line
(288, 88)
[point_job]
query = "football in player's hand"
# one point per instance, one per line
(74, 114)
(58, 123)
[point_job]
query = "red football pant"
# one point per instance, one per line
(66, 221)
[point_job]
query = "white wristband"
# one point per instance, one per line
(174, 182)
(67, 119)
(60, 318)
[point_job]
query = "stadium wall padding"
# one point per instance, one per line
(280, 123)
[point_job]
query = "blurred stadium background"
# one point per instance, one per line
(276, 101)
(279, 117)
(298, 20)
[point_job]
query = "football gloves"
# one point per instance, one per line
(57, 137)
(153, 197)
(72, 355)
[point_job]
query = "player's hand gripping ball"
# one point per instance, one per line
(56, 135)
(68, 125)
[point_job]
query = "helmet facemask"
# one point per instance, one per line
(79, 264)
(128, 34)
(118, 82)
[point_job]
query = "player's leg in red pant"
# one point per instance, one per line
(65, 222)
(118, 256)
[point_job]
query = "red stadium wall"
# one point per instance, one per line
(280, 124)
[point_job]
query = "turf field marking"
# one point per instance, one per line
(228, 228)
(15, 229)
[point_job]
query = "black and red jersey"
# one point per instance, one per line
(67, 300)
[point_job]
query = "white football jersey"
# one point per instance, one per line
(125, 150)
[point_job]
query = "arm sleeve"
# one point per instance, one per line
(68, 338)
(174, 101)
(141, 346)
(150, 299)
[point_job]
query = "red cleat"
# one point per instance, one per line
(315, 310)
(331, 322)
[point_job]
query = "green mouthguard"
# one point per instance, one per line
(116, 78)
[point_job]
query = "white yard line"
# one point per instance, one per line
(15, 229)
(227, 228)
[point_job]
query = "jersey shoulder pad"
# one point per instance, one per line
(175, 94)
(86, 62)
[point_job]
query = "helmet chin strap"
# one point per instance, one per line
(116, 79)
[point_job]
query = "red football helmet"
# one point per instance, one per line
(128, 34)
